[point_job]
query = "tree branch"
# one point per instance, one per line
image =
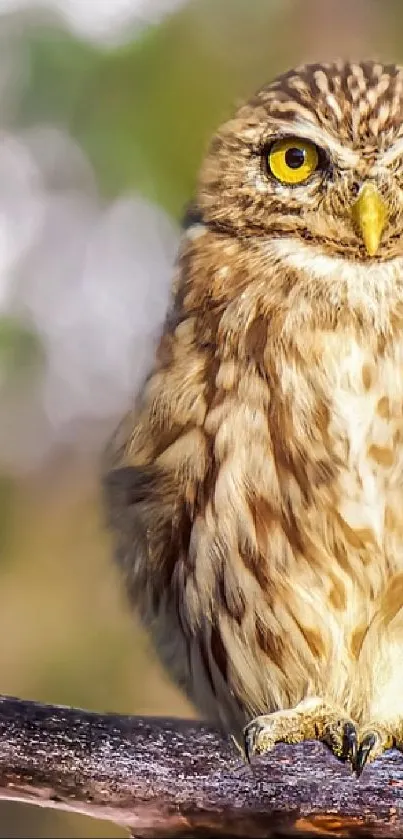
(166, 778)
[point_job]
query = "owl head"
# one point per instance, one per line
(314, 159)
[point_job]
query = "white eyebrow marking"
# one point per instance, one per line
(309, 131)
(390, 154)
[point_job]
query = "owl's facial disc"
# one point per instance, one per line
(316, 158)
(294, 160)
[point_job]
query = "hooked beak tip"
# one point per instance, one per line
(369, 215)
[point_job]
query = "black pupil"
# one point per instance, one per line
(295, 158)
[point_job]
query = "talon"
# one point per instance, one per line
(349, 743)
(239, 746)
(366, 746)
(249, 735)
(341, 737)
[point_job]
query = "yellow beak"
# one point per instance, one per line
(370, 216)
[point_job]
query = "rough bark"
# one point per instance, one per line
(171, 777)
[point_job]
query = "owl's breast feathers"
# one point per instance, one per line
(259, 497)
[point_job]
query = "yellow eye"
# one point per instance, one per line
(293, 160)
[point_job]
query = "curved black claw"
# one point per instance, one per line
(367, 744)
(350, 743)
(249, 740)
(342, 738)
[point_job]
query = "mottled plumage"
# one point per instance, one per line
(256, 489)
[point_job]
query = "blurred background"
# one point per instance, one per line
(106, 107)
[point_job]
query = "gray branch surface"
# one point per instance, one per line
(178, 778)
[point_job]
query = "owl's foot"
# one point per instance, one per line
(312, 719)
(374, 739)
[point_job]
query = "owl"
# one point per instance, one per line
(255, 491)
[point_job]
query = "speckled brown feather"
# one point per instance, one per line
(257, 488)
